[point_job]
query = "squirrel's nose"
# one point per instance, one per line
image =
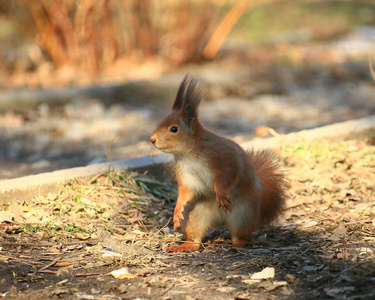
(152, 139)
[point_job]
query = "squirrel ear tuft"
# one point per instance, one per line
(179, 101)
(188, 93)
(188, 99)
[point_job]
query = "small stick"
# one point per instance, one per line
(370, 66)
(50, 264)
(88, 274)
(110, 146)
(25, 244)
(3, 257)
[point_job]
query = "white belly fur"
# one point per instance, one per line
(196, 176)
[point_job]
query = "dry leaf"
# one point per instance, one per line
(339, 233)
(310, 224)
(261, 131)
(265, 131)
(17, 211)
(270, 286)
(266, 273)
(291, 278)
(123, 274)
(343, 255)
(6, 216)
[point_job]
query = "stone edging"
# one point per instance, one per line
(24, 188)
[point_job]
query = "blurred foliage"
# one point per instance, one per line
(91, 34)
(302, 20)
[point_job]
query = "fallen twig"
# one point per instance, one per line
(51, 263)
(4, 257)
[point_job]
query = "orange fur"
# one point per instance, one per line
(219, 183)
(272, 179)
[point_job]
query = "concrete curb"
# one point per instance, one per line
(353, 129)
(24, 188)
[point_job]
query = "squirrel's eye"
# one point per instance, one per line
(173, 129)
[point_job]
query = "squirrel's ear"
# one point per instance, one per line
(192, 98)
(187, 100)
(179, 101)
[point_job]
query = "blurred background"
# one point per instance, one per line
(86, 81)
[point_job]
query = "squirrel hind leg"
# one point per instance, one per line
(193, 236)
(240, 242)
(199, 217)
(241, 223)
(185, 247)
(241, 238)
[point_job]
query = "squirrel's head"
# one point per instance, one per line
(177, 132)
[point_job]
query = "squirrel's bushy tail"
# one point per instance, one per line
(272, 178)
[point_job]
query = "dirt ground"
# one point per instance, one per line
(67, 246)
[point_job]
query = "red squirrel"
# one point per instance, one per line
(219, 183)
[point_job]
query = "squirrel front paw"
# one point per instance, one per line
(224, 203)
(177, 216)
